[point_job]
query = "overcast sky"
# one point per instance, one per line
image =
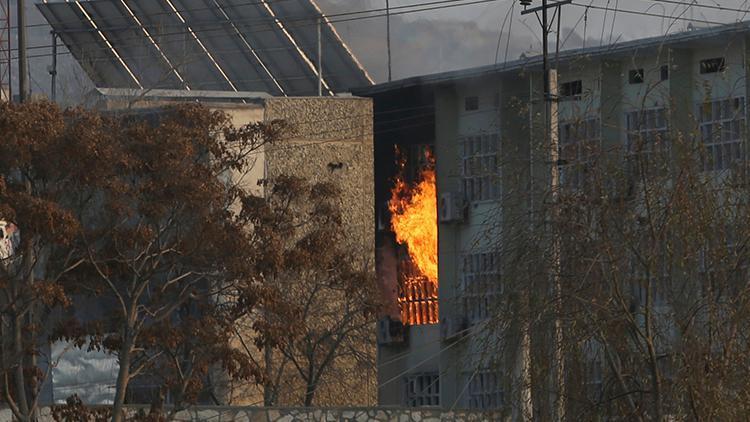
(457, 37)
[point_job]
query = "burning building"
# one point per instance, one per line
(413, 209)
(484, 127)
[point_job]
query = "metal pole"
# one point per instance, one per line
(53, 68)
(23, 81)
(388, 35)
(320, 57)
(557, 378)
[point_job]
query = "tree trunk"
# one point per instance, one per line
(123, 377)
(20, 378)
(268, 387)
(310, 392)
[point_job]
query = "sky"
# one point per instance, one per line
(448, 39)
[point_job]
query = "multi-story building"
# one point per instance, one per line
(485, 129)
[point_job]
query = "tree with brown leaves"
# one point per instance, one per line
(140, 212)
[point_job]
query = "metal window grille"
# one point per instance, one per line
(722, 127)
(422, 390)
(481, 285)
(580, 141)
(418, 296)
(647, 132)
(480, 168)
(485, 390)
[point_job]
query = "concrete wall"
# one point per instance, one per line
(607, 95)
(255, 414)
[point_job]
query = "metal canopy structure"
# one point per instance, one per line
(232, 45)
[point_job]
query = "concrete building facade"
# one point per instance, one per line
(329, 139)
(485, 128)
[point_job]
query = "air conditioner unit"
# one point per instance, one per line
(390, 332)
(451, 208)
(453, 327)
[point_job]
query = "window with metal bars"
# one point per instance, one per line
(422, 390)
(485, 390)
(580, 141)
(481, 285)
(480, 169)
(647, 132)
(722, 128)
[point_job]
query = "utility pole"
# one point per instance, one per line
(388, 35)
(23, 65)
(551, 135)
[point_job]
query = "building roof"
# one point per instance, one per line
(534, 62)
(232, 45)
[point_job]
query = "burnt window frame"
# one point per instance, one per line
(713, 65)
(636, 76)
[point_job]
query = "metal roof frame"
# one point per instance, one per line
(219, 45)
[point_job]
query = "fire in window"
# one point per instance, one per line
(413, 208)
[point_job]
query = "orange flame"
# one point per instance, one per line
(414, 220)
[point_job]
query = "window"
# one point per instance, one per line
(722, 126)
(485, 390)
(635, 76)
(471, 103)
(593, 367)
(579, 144)
(480, 171)
(422, 390)
(571, 90)
(664, 72)
(647, 132)
(713, 65)
(480, 285)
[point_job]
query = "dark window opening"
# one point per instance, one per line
(635, 76)
(664, 73)
(713, 65)
(571, 90)
(471, 103)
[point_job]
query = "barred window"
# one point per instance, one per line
(593, 366)
(579, 144)
(722, 126)
(422, 390)
(480, 169)
(647, 131)
(485, 390)
(480, 285)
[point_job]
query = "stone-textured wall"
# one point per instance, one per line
(333, 142)
(255, 414)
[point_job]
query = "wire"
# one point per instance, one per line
(635, 12)
(286, 25)
(254, 20)
(704, 6)
(500, 35)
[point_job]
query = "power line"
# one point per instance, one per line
(703, 6)
(432, 7)
(655, 15)
(251, 20)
